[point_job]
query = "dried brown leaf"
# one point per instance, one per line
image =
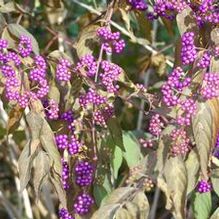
(15, 116)
(42, 168)
(175, 174)
(205, 127)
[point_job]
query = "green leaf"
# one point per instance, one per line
(176, 178)
(132, 152)
(202, 205)
(205, 128)
(99, 194)
(17, 30)
(117, 161)
(116, 132)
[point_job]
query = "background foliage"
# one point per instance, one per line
(131, 181)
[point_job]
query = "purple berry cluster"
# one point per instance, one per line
(210, 86)
(83, 204)
(180, 142)
(52, 109)
(110, 75)
(72, 144)
(188, 108)
(156, 125)
(64, 214)
(3, 44)
(138, 4)
(205, 60)
(204, 186)
(68, 116)
(83, 173)
(101, 116)
(188, 51)
(63, 70)
(146, 143)
(62, 141)
(91, 97)
(89, 64)
(111, 42)
(65, 175)
(25, 46)
(11, 64)
(167, 9)
(14, 58)
(38, 77)
(207, 12)
(174, 86)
